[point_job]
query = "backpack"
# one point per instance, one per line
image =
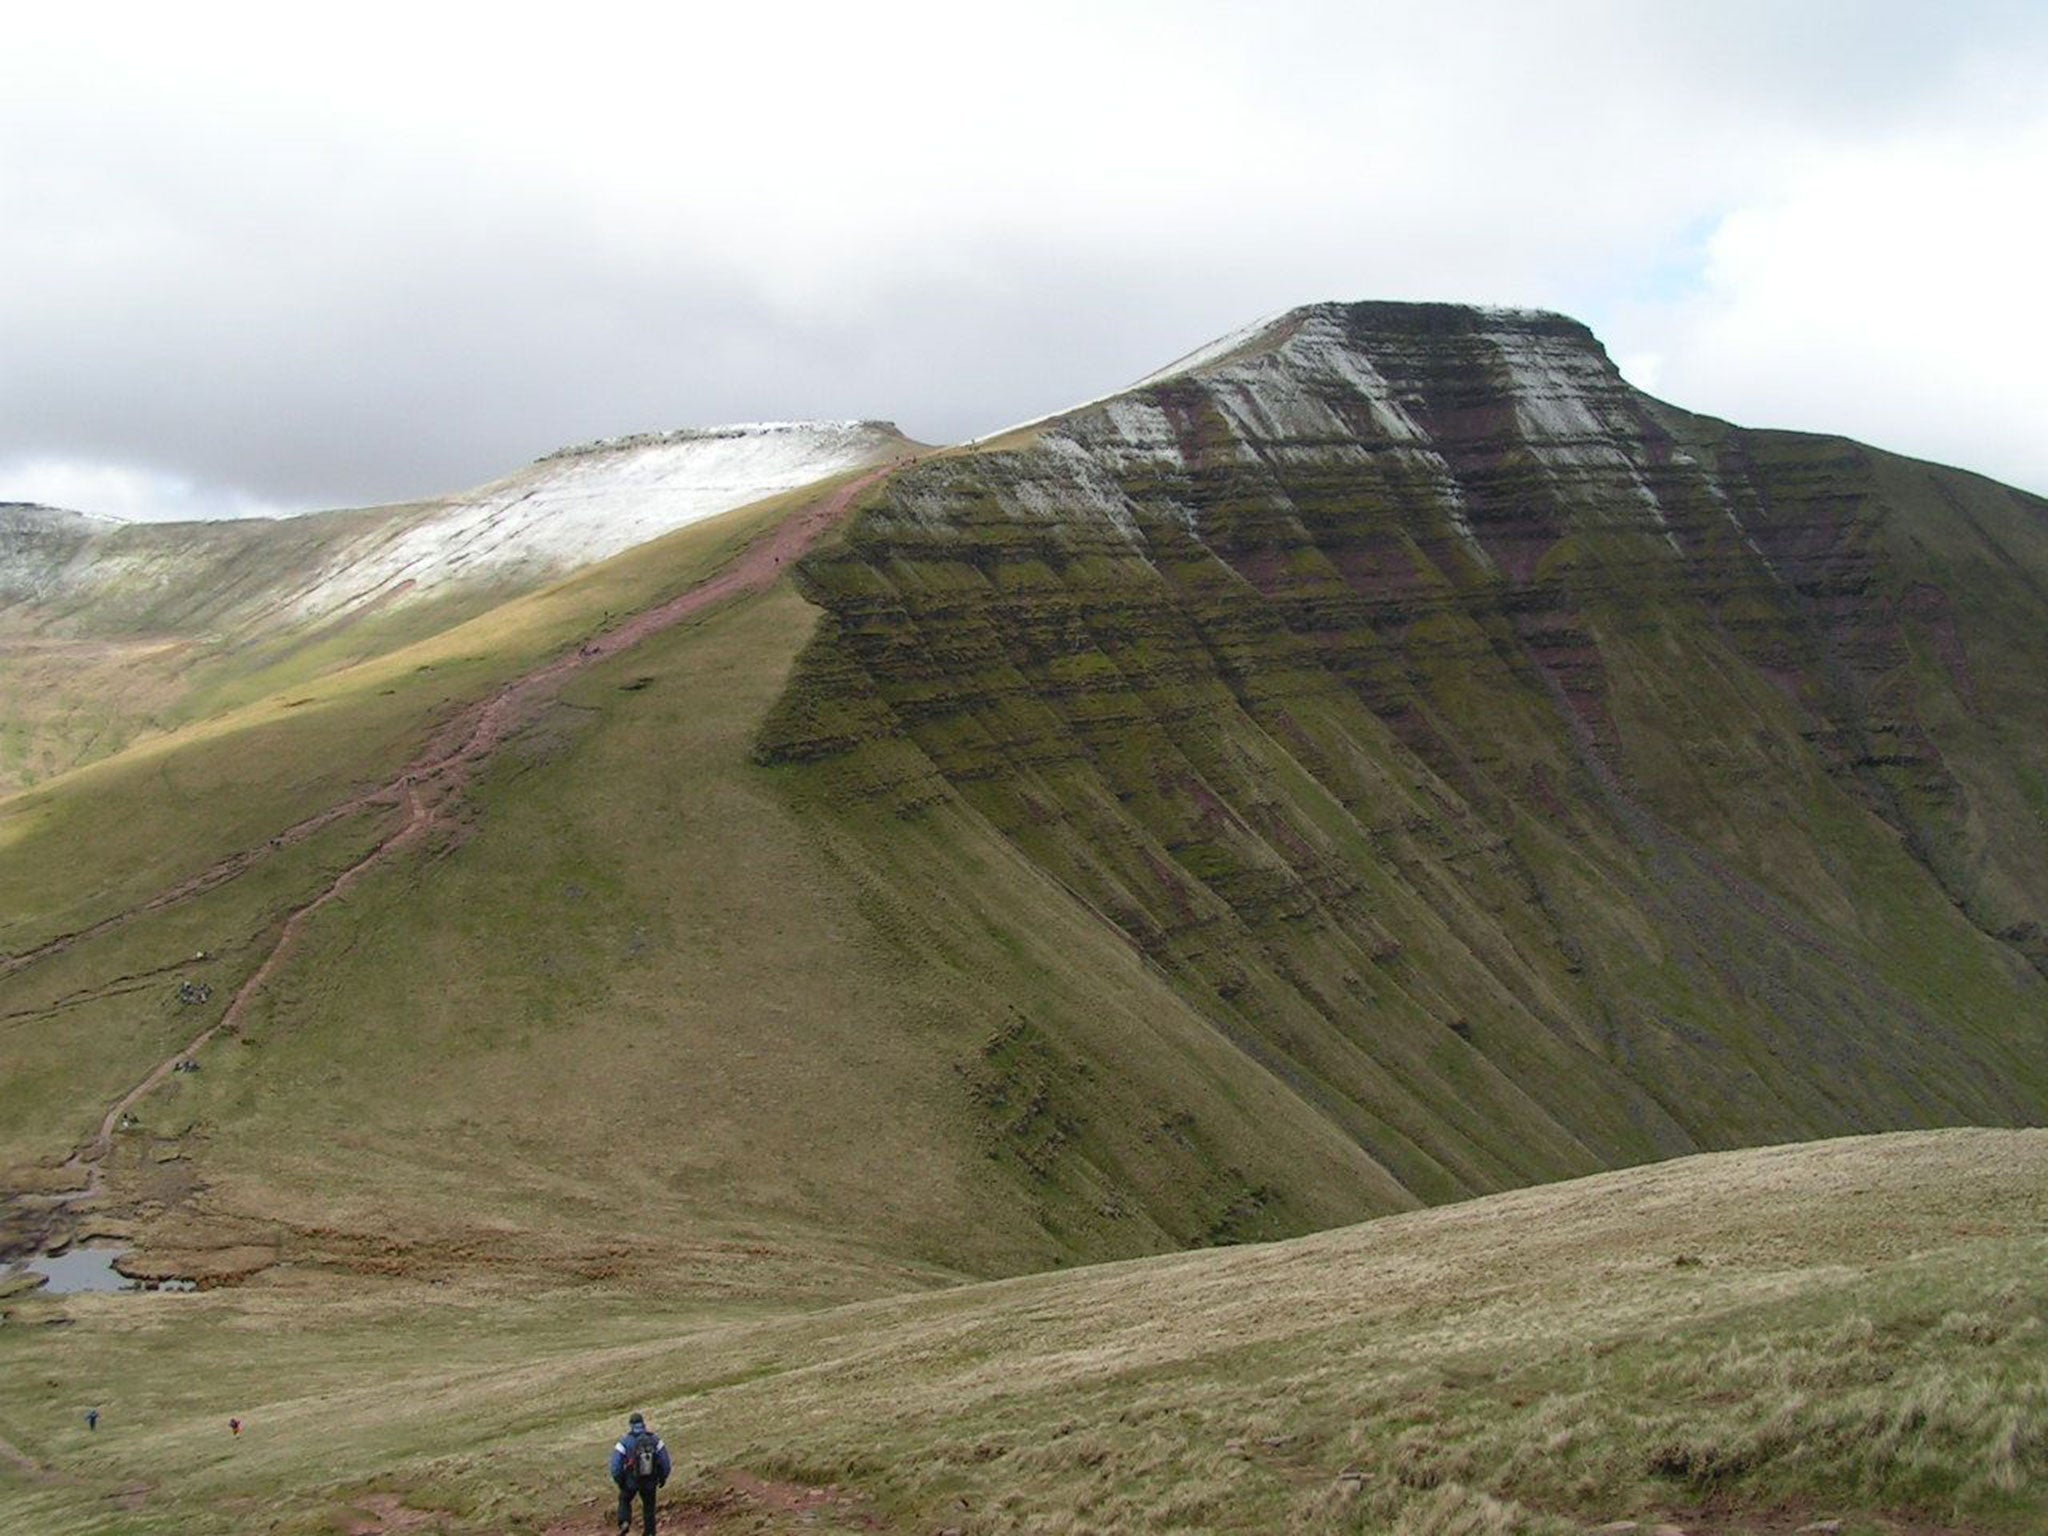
(641, 1464)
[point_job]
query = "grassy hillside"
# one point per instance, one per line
(649, 1003)
(1123, 844)
(90, 854)
(1741, 1343)
(646, 1003)
(1396, 764)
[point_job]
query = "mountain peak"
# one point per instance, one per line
(1363, 321)
(1547, 360)
(1373, 375)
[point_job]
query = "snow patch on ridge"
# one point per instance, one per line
(786, 430)
(1215, 351)
(588, 502)
(1554, 388)
(25, 514)
(1144, 430)
(1571, 409)
(1098, 493)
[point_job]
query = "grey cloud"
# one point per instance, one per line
(320, 310)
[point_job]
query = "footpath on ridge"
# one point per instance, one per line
(427, 790)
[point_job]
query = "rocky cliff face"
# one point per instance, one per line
(1534, 775)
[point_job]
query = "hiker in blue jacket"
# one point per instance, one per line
(640, 1465)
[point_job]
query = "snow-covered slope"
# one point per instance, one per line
(1256, 336)
(37, 543)
(1242, 339)
(569, 509)
(1411, 391)
(586, 503)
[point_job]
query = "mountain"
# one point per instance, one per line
(109, 628)
(1381, 759)
(1530, 774)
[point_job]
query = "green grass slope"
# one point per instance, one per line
(93, 853)
(650, 1009)
(1751, 1342)
(646, 1004)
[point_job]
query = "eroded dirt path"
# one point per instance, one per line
(733, 1499)
(427, 790)
(23, 1463)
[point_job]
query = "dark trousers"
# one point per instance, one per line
(646, 1508)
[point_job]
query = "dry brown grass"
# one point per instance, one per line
(1851, 1329)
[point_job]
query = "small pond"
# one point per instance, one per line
(89, 1267)
(81, 1269)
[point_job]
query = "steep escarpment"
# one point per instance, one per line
(1532, 775)
(1921, 593)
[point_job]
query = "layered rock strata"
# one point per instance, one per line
(1536, 776)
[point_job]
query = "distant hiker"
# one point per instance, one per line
(234, 1426)
(92, 1419)
(640, 1464)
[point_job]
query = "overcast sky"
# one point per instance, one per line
(271, 257)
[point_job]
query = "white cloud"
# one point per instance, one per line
(1887, 294)
(1645, 370)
